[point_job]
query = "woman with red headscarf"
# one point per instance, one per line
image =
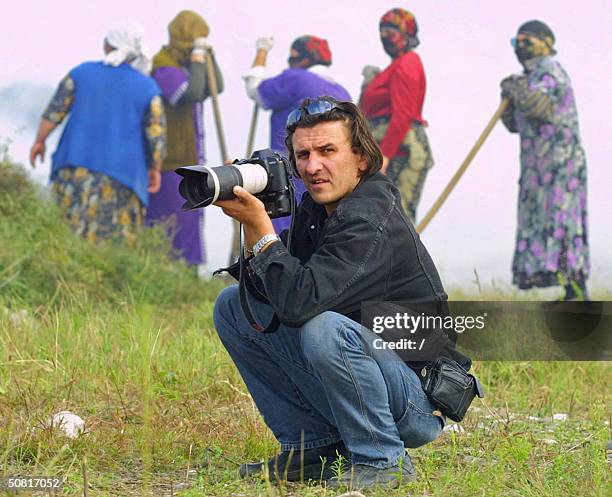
(392, 100)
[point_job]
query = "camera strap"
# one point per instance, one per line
(248, 311)
(242, 288)
(244, 299)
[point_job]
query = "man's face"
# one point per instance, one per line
(326, 163)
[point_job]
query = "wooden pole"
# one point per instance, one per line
(462, 168)
(85, 477)
(235, 252)
(252, 129)
(214, 93)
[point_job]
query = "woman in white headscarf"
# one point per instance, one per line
(109, 156)
(124, 43)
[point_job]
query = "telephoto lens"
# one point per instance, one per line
(203, 185)
(266, 174)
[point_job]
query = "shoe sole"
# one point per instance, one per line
(309, 472)
(390, 484)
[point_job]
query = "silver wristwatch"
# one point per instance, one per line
(263, 241)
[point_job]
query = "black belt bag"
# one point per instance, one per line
(450, 387)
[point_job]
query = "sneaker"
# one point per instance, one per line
(317, 464)
(360, 476)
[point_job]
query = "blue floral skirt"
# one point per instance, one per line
(96, 206)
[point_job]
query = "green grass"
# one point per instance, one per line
(123, 336)
(163, 403)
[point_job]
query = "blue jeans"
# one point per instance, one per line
(325, 382)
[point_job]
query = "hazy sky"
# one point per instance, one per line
(466, 52)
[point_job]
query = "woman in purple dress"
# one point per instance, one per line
(551, 242)
(308, 76)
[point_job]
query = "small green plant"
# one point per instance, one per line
(323, 464)
(339, 466)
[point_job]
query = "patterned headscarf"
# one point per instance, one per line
(542, 32)
(405, 24)
(311, 50)
(184, 28)
(126, 39)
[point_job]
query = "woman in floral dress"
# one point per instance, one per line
(551, 241)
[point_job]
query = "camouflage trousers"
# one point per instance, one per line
(408, 170)
(96, 206)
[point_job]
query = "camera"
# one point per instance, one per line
(266, 175)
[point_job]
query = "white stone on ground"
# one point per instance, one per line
(560, 416)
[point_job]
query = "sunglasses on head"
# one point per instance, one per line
(320, 106)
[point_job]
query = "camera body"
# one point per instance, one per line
(266, 175)
(278, 193)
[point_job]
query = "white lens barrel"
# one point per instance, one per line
(254, 177)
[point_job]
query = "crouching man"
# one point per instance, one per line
(320, 388)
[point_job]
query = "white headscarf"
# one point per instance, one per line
(126, 38)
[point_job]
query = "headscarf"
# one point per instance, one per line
(405, 24)
(311, 50)
(184, 28)
(540, 31)
(126, 39)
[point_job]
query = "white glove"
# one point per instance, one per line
(265, 43)
(198, 53)
(201, 42)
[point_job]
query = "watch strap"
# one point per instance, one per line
(263, 241)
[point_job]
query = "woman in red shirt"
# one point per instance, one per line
(392, 100)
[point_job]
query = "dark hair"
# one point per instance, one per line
(362, 140)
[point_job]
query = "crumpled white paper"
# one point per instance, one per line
(71, 424)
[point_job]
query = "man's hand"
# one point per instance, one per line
(37, 150)
(250, 211)
(265, 43)
(154, 181)
(245, 208)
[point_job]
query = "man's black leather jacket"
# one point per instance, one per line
(366, 250)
